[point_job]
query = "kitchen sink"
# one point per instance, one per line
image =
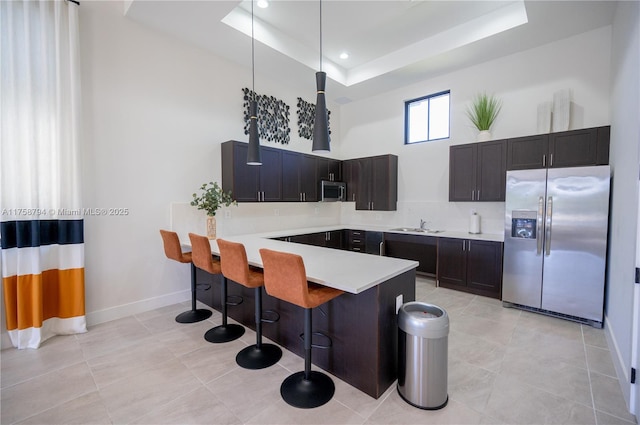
(416, 229)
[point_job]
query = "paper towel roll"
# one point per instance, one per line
(474, 224)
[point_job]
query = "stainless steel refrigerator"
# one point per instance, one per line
(555, 241)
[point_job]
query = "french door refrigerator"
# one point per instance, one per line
(555, 241)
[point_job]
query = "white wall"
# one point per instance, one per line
(624, 157)
(156, 110)
(523, 80)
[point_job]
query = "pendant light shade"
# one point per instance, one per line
(253, 154)
(321, 121)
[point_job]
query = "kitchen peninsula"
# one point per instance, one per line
(361, 323)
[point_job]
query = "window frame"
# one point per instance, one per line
(407, 105)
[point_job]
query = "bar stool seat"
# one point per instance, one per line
(233, 258)
(202, 258)
(285, 278)
(173, 251)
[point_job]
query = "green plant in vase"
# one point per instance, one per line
(483, 112)
(211, 200)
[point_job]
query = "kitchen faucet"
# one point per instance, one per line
(422, 224)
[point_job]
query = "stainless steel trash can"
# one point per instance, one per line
(423, 332)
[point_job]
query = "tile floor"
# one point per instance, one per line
(505, 366)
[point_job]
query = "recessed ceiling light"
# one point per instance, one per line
(263, 4)
(344, 55)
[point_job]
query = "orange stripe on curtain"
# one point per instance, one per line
(34, 298)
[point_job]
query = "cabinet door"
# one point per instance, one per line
(328, 169)
(350, 174)
(335, 170)
(384, 183)
(491, 171)
(333, 239)
(308, 178)
(238, 177)
(604, 134)
(270, 175)
(290, 182)
(574, 148)
(452, 262)
(526, 153)
(363, 189)
(423, 249)
(484, 267)
(462, 172)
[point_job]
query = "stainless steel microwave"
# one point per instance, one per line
(331, 191)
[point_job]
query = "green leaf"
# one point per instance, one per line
(484, 111)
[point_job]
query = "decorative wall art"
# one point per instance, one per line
(306, 118)
(273, 117)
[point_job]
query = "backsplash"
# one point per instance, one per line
(450, 216)
(261, 217)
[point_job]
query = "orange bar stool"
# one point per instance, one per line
(173, 251)
(202, 258)
(285, 278)
(233, 258)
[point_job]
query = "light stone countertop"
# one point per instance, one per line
(349, 271)
(494, 237)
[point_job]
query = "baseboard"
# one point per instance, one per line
(118, 312)
(622, 372)
(5, 340)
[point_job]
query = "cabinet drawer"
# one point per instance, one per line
(356, 240)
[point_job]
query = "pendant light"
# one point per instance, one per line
(321, 122)
(253, 154)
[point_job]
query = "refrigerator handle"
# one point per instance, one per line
(539, 224)
(547, 227)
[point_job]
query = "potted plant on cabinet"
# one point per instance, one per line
(211, 200)
(483, 112)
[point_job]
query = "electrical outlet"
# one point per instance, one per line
(398, 303)
(276, 212)
(227, 214)
(378, 217)
(316, 210)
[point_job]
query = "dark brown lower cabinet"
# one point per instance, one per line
(362, 327)
(472, 266)
(423, 249)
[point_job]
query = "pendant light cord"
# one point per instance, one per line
(320, 35)
(253, 66)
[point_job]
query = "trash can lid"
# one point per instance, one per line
(424, 320)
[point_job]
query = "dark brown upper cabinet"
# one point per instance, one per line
(329, 169)
(299, 177)
(251, 183)
(376, 186)
(575, 148)
(477, 171)
(351, 177)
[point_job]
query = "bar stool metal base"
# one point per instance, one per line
(254, 358)
(307, 393)
(224, 333)
(193, 316)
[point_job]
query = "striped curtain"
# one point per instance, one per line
(41, 226)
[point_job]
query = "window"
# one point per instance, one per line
(426, 118)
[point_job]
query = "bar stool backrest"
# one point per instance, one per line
(233, 260)
(201, 254)
(172, 248)
(285, 277)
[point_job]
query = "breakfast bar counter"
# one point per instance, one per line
(361, 323)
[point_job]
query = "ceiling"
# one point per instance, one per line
(390, 43)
